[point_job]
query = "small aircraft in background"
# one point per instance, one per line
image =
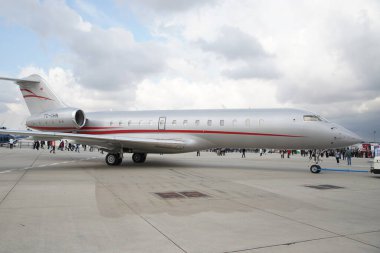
(175, 131)
(4, 138)
(10, 138)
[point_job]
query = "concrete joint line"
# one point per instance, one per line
(20, 178)
(136, 213)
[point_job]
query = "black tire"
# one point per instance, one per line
(315, 169)
(119, 161)
(113, 159)
(139, 157)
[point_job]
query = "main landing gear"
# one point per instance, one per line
(114, 159)
(139, 157)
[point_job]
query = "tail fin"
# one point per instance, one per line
(37, 95)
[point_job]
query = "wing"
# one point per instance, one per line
(109, 142)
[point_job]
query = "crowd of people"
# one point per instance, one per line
(339, 154)
(63, 145)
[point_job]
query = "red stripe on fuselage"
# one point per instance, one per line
(98, 128)
(53, 128)
(71, 128)
(107, 130)
(187, 132)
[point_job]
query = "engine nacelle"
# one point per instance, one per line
(64, 119)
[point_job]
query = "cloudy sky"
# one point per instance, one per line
(322, 56)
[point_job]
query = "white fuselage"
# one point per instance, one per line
(231, 128)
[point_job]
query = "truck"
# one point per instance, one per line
(375, 169)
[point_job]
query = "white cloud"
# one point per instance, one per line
(244, 52)
(167, 6)
(180, 93)
(101, 58)
(71, 92)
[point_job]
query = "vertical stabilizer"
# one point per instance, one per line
(37, 95)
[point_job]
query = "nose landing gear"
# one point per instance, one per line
(315, 168)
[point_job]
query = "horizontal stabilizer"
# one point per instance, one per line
(17, 80)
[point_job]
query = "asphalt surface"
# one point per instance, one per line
(73, 202)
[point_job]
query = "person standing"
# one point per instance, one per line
(337, 156)
(243, 153)
(198, 153)
(52, 147)
(348, 156)
(11, 143)
(61, 145)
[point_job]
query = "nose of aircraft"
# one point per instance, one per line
(347, 137)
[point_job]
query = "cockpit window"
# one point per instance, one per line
(312, 118)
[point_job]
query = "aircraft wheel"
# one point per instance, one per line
(315, 168)
(139, 157)
(113, 159)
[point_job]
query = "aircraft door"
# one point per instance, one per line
(161, 123)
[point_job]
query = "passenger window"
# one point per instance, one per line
(174, 122)
(209, 122)
(247, 122)
(111, 123)
(222, 122)
(129, 122)
(141, 122)
(197, 122)
(185, 122)
(120, 123)
(234, 123)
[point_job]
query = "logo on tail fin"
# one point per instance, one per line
(42, 97)
(34, 95)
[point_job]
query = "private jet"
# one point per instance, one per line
(174, 131)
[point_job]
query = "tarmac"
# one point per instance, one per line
(74, 202)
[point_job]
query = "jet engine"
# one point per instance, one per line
(62, 119)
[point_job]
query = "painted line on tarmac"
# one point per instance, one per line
(343, 170)
(46, 165)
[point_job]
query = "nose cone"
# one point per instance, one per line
(348, 137)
